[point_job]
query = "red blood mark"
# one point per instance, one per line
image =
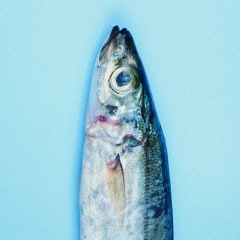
(105, 120)
(101, 119)
(91, 136)
(128, 135)
(113, 164)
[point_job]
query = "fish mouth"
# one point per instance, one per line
(118, 37)
(123, 34)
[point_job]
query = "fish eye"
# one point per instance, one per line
(123, 81)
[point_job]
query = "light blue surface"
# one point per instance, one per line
(191, 53)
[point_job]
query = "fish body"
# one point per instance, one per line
(125, 187)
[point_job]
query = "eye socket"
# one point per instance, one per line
(123, 81)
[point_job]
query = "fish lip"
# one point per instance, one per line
(114, 32)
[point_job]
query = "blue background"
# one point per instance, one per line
(191, 53)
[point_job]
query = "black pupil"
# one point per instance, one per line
(123, 79)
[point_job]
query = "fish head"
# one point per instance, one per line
(118, 103)
(119, 71)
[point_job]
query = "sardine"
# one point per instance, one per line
(125, 185)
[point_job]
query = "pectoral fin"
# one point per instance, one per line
(116, 187)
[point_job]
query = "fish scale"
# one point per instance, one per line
(125, 185)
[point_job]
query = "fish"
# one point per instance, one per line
(125, 191)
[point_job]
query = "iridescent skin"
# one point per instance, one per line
(125, 187)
